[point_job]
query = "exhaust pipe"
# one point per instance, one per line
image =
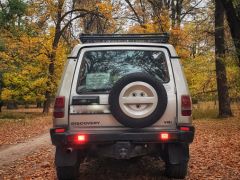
(69, 150)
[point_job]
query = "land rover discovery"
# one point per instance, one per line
(122, 96)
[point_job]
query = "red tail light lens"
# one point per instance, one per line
(164, 136)
(81, 138)
(186, 105)
(60, 130)
(184, 128)
(59, 107)
(78, 139)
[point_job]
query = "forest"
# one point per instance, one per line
(36, 37)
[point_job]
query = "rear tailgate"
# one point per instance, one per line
(93, 111)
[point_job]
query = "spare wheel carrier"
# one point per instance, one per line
(138, 100)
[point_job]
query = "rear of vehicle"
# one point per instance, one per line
(122, 100)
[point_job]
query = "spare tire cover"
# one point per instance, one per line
(138, 100)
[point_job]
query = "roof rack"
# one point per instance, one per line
(153, 38)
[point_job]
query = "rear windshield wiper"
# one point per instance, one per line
(95, 90)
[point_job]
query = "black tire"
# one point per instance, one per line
(141, 122)
(67, 172)
(178, 171)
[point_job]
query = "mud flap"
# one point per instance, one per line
(177, 153)
(62, 158)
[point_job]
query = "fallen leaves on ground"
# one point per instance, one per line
(13, 131)
(215, 154)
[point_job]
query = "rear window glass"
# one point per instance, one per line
(101, 69)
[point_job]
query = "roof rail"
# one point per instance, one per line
(154, 38)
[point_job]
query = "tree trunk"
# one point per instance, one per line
(52, 57)
(39, 104)
(223, 96)
(179, 12)
(12, 105)
(47, 102)
(173, 15)
(234, 24)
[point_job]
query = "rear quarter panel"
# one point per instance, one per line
(181, 89)
(64, 90)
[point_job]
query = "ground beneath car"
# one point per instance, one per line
(215, 154)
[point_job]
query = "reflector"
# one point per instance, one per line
(60, 130)
(184, 128)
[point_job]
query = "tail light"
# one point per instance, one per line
(78, 139)
(59, 107)
(164, 136)
(186, 105)
(81, 139)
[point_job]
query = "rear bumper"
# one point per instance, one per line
(101, 137)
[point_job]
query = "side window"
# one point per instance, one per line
(84, 68)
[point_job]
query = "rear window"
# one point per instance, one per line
(101, 69)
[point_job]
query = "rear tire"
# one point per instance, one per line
(67, 172)
(178, 171)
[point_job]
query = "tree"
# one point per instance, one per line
(222, 87)
(1, 86)
(62, 17)
(232, 9)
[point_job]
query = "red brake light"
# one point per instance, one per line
(186, 105)
(184, 128)
(164, 136)
(59, 107)
(80, 139)
(60, 130)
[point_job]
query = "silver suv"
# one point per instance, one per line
(122, 96)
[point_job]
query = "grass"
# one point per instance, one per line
(204, 114)
(209, 110)
(17, 115)
(20, 113)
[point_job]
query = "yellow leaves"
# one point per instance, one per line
(7, 94)
(146, 28)
(26, 70)
(163, 21)
(200, 74)
(181, 40)
(105, 8)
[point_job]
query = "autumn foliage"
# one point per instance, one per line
(36, 38)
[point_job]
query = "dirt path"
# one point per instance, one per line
(17, 151)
